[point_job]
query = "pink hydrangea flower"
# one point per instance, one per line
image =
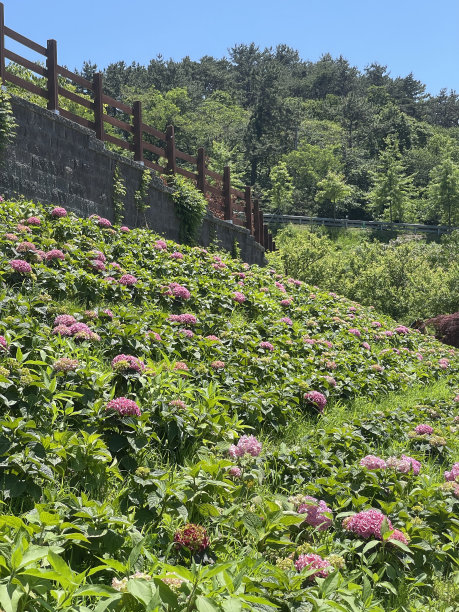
(191, 536)
(20, 266)
(181, 366)
(23, 228)
(246, 445)
(404, 465)
(179, 403)
(11, 237)
(267, 345)
(124, 406)
(423, 429)
(366, 346)
(377, 368)
(313, 561)
(107, 312)
(371, 462)
(62, 330)
(399, 536)
(103, 222)
(186, 332)
(65, 364)
(401, 329)
(239, 297)
(331, 381)
(64, 319)
(160, 245)
(318, 399)
(127, 280)
(183, 318)
(235, 472)
(316, 511)
(98, 255)
(3, 343)
(154, 335)
(33, 221)
(388, 333)
(287, 320)
(26, 247)
(367, 523)
(54, 254)
(453, 475)
(443, 363)
(127, 362)
(218, 365)
(375, 324)
(179, 291)
(355, 332)
(58, 212)
(124, 229)
(176, 255)
(280, 286)
(76, 328)
(115, 264)
(286, 302)
(213, 338)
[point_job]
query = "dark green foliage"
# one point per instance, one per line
(7, 123)
(190, 207)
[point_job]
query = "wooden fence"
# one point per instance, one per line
(238, 207)
(414, 228)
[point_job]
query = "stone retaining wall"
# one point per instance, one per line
(56, 161)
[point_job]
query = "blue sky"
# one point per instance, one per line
(419, 36)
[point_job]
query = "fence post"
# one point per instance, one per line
(227, 204)
(270, 241)
(265, 237)
(98, 88)
(138, 132)
(51, 67)
(262, 225)
(256, 220)
(201, 163)
(248, 209)
(171, 167)
(2, 43)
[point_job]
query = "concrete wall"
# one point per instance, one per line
(56, 161)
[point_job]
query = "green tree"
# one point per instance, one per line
(333, 188)
(281, 192)
(391, 191)
(443, 190)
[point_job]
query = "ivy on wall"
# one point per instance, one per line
(190, 207)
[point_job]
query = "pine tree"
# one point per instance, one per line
(443, 190)
(392, 189)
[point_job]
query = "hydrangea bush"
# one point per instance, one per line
(171, 442)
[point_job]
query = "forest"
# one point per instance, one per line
(320, 138)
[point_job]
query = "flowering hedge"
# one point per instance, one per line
(170, 417)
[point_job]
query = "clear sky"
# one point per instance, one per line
(419, 36)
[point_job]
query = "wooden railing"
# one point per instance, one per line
(133, 135)
(414, 228)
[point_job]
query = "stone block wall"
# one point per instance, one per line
(58, 162)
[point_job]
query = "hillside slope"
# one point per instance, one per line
(165, 406)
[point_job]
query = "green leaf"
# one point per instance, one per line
(141, 590)
(204, 604)
(232, 605)
(61, 566)
(330, 583)
(370, 545)
(33, 553)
